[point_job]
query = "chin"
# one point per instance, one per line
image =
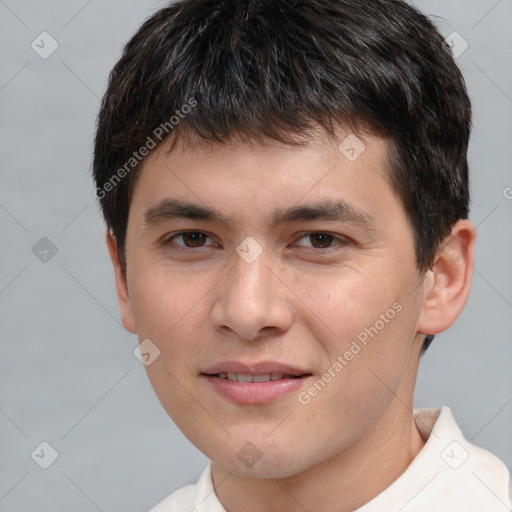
(264, 462)
(262, 469)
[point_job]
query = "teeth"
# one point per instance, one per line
(260, 378)
(242, 377)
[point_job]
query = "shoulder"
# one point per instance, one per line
(448, 474)
(462, 472)
(198, 497)
(178, 500)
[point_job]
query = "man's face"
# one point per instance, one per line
(327, 306)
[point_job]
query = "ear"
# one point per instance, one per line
(447, 283)
(127, 316)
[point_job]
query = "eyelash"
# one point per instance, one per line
(342, 241)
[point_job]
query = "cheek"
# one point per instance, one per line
(346, 307)
(365, 326)
(168, 312)
(165, 303)
(366, 363)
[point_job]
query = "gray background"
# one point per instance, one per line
(67, 369)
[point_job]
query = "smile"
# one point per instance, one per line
(246, 378)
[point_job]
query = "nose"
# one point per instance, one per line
(252, 301)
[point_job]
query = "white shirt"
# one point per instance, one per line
(449, 474)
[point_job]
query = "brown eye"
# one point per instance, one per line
(321, 240)
(190, 239)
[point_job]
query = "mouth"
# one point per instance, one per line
(255, 384)
(264, 377)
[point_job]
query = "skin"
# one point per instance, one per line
(293, 304)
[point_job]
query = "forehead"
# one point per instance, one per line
(320, 175)
(343, 149)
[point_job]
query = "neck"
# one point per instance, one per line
(342, 483)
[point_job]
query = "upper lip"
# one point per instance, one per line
(257, 368)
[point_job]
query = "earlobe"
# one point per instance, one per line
(123, 296)
(447, 283)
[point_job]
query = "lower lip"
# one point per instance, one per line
(255, 393)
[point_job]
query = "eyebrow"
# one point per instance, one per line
(337, 210)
